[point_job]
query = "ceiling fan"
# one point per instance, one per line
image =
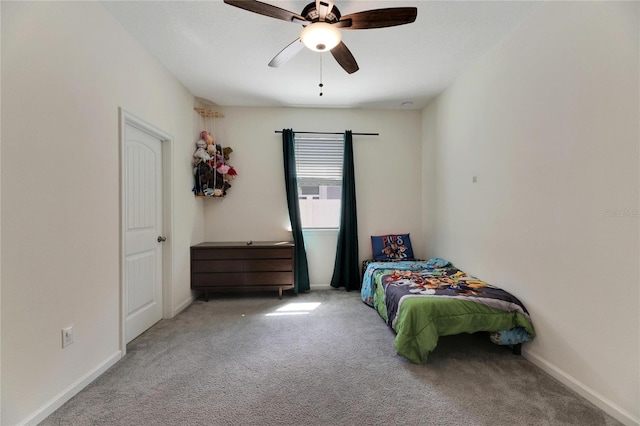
(322, 21)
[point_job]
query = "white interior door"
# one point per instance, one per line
(142, 204)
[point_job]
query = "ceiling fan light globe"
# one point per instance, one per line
(320, 36)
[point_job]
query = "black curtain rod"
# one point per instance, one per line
(332, 133)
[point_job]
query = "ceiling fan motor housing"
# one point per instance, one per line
(311, 14)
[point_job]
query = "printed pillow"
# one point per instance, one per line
(436, 262)
(391, 247)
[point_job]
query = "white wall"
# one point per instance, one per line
(67, 68)
(387, 169)
(549, 124)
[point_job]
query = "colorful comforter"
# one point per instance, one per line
(421, 302)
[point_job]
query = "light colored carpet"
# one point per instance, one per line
(224, 362)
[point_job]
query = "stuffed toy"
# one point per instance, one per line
(223, 169)
(231, 172)
(226, 151)
(201, 154)
(206, 136)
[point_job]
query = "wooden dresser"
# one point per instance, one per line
(242, 266)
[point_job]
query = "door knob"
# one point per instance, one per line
(162, 239)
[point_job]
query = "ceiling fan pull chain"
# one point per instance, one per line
(321, 85)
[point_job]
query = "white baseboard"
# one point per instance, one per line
(319, 286)
(586, 392)
(183, 306)
(64, 396)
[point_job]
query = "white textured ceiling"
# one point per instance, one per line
(220, 53)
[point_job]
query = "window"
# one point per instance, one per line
(319, 173)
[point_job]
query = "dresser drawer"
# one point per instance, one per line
(226, 279)
(242, 253)
(242, 265)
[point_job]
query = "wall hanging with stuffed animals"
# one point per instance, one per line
(211, 169)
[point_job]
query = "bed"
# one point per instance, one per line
(422, 300)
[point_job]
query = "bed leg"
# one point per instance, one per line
(517, 349)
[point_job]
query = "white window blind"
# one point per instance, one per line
(319, 160)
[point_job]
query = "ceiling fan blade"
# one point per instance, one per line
(345, 58)
(287, 53)
(265, 9)
(323, 7)
(380, 18)
(343, 23)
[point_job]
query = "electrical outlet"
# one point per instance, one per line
(67, 336)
